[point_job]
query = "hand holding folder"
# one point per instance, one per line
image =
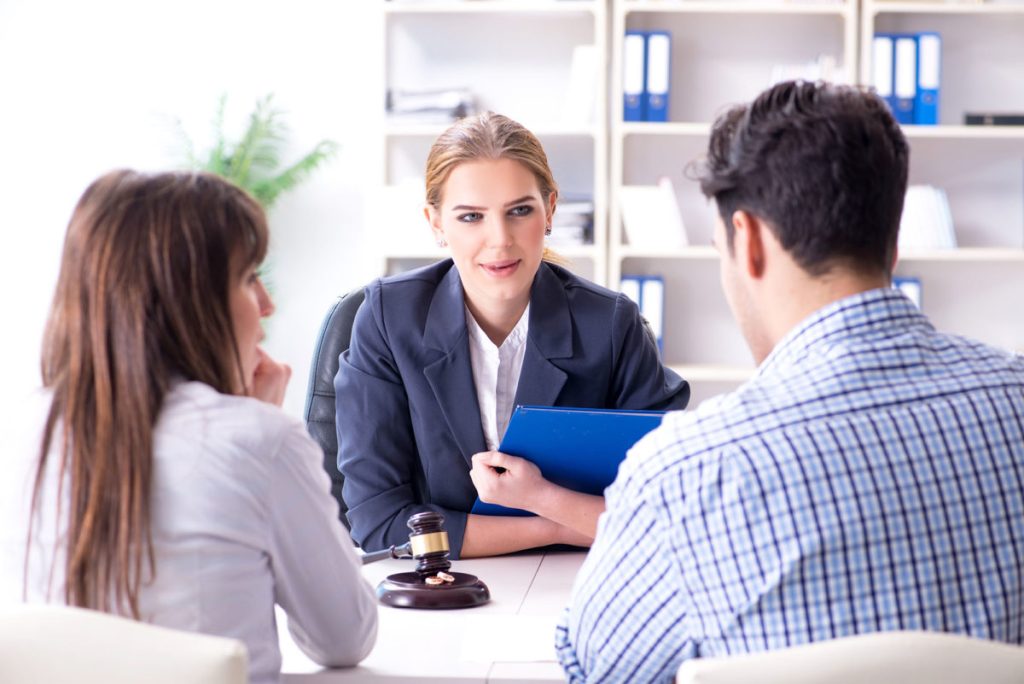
(579, 449)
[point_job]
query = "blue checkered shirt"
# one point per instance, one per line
(869, 477)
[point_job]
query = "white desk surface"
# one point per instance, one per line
(509, 639)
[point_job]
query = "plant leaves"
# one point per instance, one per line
(254, 161)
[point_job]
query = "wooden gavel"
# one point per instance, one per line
(428, 544)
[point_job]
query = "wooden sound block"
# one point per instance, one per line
(408, 590)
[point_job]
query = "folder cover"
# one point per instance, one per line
(881, 69)
(905, 77)
(659, 68)
(634, 75)
(929, 55)
(576, 448)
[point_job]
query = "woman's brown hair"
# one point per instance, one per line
(488, 136)
(141, 300)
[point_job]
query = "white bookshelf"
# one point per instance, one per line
(874, 7)
(973, 290)
(949, 132)
(516, 55)
(543, 7)
(722, 54)
(714, 373)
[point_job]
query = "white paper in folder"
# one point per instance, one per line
(651, 217)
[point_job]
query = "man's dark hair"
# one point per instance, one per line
(824, 165)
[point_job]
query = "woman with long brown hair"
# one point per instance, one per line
(440, 356)
(168, 485)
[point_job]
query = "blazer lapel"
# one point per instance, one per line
(451, 376)
(550, 337)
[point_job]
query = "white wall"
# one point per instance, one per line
(90, 86)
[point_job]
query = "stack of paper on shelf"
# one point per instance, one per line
(651, 218)
(926, 222)
(430, 106)
(573, 222)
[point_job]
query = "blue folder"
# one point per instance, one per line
(576, 448)
(929, 70)
(658, 75)
(904, 80)
(634, 76)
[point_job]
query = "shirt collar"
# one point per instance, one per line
(883, 310)
(514, 339)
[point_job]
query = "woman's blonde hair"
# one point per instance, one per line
(142, 298)
(488, 136)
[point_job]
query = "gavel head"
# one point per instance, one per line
(429, 543)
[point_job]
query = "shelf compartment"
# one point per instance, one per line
(705, 252)
(707, 372)
(432, 130)
(876, 8)
(965, 254)
(494, 7)
(737, 7)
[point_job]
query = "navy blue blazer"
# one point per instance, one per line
(407, 416)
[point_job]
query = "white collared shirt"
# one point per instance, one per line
(496, 374)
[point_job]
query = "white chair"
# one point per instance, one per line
(54, 644)
(909, 657)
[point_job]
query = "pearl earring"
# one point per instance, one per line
(442, 242)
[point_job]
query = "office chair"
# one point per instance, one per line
(900, 657)
(333, 339)
(56, 643)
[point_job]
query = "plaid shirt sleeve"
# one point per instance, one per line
(631, 623)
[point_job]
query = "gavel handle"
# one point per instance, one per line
(403, 551)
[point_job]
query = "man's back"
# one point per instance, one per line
(870, 477)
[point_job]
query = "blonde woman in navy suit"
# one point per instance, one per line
(441, 355)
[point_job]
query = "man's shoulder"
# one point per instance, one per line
(693, 439)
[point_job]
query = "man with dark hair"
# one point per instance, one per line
(869, 477)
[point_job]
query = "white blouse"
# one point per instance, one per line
(242, 518)
(496, 373)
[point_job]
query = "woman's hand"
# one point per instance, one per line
(270, 379)
(518, 485)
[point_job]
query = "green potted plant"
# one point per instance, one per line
(254, 161)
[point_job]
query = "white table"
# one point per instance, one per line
(510, 639)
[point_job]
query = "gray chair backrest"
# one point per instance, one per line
(333, 340)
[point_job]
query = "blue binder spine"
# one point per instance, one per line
(634, 76)
(929, 75)
(882, 68)
(659, 74)
(629, 285)
(910, 286)
(652, 307)
(905, 77)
